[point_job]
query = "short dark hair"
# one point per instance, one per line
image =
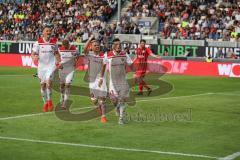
(142, 40)
(93, 39)
(116, 40)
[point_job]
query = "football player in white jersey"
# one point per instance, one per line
(97, 76)
(69, 55)
(45, 52)
(118, 85)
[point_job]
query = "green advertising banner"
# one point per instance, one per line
(178, 51)
(162, 50)
(24, 47)
(6, 47)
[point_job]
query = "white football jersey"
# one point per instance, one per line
(95, 64)
(68, 56)
(117, 68)
(46, 51)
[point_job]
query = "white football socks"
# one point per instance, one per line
(49, 93)
(44, 95)
(66, 93)
(121, 110)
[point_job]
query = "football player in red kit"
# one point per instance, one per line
(142, 53)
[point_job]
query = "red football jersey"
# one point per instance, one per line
(142, 54)
(141, 60)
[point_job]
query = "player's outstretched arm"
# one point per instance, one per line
(102, 74)
(155, 56)
(150, 53)
(58, 59)
(86, 47)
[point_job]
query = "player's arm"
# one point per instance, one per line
(135, 56)
(57, 57)
(130, 62)
(76, 57)
(153, 55)
(35, 52)
(88, 43)
(105, 62)
(103, 70)
(102, 75)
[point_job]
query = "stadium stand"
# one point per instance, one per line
(189, 19)
(77, 19)
(73, 18)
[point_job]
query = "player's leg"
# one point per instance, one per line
(123, 95)
(43, 92)
(94, 96)
(101, 94)
(140, 87)
(49, 78)
(49, 95)
(67, 79)
(66, 94)
(44, 97)
(102, 106)
(122, 107)
(138, 80)
(143, 84)
(62, 86)
(62, 90)
(43, 85)
(94, 100)
(114, 99)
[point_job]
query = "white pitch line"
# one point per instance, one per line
(14, 75)
(228, 94)
(39, 114)
(107, 147)
(194, 95)
(231, 157)
(143, 100)
(22, 116)
(178, 97)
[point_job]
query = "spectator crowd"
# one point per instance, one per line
(77, 19)
(190, 19)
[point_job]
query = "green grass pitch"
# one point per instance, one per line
(211, 127)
